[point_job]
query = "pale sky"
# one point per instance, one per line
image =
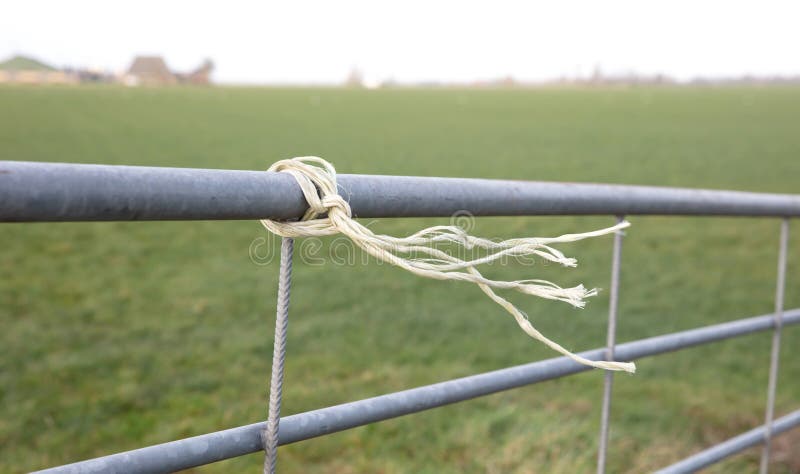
(321, 41)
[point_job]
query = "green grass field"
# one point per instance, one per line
(119, 335)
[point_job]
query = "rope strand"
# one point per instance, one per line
(317, 180)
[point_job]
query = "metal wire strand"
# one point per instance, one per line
(776, 346)
(616, 261)
(270, 433)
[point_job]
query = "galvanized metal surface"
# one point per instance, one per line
(611, 337)
(780, 286)
(208, 448)
(39, 192)
(734, 445)
(45, 192)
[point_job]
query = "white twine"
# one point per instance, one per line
(317, 180)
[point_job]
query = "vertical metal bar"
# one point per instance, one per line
(776, 345)
(270, 433)
(616, 260)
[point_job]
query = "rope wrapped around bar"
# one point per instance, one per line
(328, 213)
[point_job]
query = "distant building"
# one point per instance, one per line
(153, 71)
(94, 76)
(26, 70)
(149, 71)
(355, 79)
(200, 76)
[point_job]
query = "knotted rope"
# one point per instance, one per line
(317, 180)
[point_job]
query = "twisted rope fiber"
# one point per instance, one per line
(317, 180)
(270, 433)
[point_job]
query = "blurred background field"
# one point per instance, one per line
(119, 335)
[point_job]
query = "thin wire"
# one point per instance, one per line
(776, 345)
(616, 260)
(270, 434)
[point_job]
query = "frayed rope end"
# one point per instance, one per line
(317, 180)
(629, 367)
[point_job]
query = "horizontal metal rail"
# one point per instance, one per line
(212, 447)
(732, 446)
(48, 192)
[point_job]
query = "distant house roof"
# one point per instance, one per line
(23, 63)
(151, 68)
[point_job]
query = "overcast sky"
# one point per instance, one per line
(320, 42)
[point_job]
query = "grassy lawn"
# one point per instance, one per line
(119, 335)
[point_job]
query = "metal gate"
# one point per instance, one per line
(49, 192)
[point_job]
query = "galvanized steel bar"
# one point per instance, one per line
(611, 336)
(44, 192)
(732, 446)
(212, 447)
(774, 360)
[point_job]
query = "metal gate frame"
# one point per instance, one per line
(57, 192)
